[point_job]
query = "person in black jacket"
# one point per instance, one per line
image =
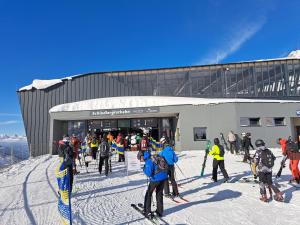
(66, 151)
(104, 151)
(246, 144)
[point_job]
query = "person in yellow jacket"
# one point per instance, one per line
(94, 147)
(218, 152)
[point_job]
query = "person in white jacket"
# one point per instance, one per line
(231, 138)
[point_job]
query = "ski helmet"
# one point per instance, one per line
(259, 143)
(216, 141)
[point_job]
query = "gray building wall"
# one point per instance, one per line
(35, 104)
(217, 118)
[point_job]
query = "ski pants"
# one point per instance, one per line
(159, 187)
(221, 164)
(233, 147)
(247, 155)
(121, 158)
(94, 152)
(265, 179)
(70, 170)
(294, 168)
(103, 160)
(171, 176)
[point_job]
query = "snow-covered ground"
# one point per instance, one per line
(28, 195)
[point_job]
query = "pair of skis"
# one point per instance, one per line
(207, 148)
(178, 199)
(154, 219)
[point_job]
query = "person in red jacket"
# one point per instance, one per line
(75, 144)
(291, 150)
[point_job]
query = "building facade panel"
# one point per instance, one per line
(259, 79)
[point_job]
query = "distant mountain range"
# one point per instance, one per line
(13, 137)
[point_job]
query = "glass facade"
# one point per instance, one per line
(260, 79)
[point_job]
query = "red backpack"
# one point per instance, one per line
(144, 144)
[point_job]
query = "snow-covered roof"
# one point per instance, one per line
(149, 101)
(41, 84)
(294, 54)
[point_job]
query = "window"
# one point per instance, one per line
(279, 121)
(275, 121)
(254, 122)
(199, 133)
(249, 122)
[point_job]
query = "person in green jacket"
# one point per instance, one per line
(218, 152)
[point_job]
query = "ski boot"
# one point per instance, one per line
(264, 198)
(156, 213)
(278, 197)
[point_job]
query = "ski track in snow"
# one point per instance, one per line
(29, 195)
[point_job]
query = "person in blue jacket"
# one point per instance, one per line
(157, 178)
(171, 158)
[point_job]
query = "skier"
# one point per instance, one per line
(75, 144)
(94, 147)
(218, 152)
(246, 143)
(231, 138)
(66, 152)
(264, 161)
(144, 144)
(292, 152)
(157, 179)
(104, 155)
(170, 156)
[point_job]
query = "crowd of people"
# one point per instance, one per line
(159, 166)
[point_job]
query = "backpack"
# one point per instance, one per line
(222, 152)
(104, 149)
(292, 146)
(144, 144)
(161, 163)
(267, 158)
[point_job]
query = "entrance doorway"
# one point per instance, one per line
(298, 135)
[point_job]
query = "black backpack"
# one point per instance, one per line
(222, 151)
(267, 158)
(292, 146)
(161, 163)
(104, 149)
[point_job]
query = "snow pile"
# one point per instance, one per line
(294, 54)
(43, 84)
(149, 101)
(106, 200)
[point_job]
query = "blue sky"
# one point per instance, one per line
(58, 38)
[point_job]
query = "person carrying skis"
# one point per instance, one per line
(104, 151)
(171, 158)
(217, 151)
(264, 162)
(246, 144)
(66, 152)
(157, 179)
(231, 138)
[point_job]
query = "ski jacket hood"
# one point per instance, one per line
(169, 155)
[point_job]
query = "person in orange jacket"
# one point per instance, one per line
(291, 150)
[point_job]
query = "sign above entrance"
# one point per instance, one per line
(128, 111)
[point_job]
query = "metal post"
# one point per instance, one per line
(11, 154)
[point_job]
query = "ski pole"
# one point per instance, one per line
(180, 171)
